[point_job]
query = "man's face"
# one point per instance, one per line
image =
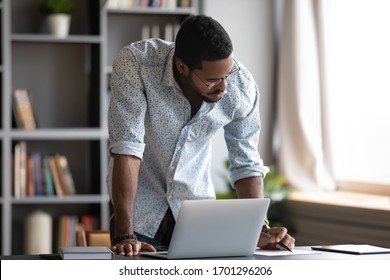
(210, 82)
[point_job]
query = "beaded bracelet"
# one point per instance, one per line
(124, 236)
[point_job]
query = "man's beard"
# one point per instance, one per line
(202, 96)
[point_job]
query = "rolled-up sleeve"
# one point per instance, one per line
(242, 136)
(127, 106)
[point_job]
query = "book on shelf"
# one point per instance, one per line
(155, 31)
(168, 32)
(30, 185)
(64, 174)
(112, 4)
(154, 3)
(20, 169)
(31, 173)
(176, 29)
(85, 253)
(35, 174)
(120, 4)
(185, 3)
(145, 32)
(48, 178)
(38, 180)
(169, 4)
(23, 109)
(56, 179)
(67, 226)
(88, 222)
(23, 168)
(129, 4)
(143, 3)
(16, 170)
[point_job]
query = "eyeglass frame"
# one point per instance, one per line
(219, 80)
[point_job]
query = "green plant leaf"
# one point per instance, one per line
(57, 6)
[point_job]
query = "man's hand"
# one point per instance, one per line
(270, 238)
(131, 247)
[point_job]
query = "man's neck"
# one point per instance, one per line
(191, 96)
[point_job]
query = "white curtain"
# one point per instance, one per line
(303, 156)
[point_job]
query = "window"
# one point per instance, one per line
(359, 90)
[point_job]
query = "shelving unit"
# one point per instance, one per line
(65, 80)
(69, 82)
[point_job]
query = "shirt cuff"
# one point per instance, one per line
(127, 148)
(246, 172)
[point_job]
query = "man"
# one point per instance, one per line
(168, 99)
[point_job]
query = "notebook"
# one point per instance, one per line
(216, 228)
(85, 253)
(357, 249)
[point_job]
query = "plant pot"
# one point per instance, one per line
(58, 24)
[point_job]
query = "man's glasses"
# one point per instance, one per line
(214, 82)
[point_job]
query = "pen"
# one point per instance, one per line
(280, 243)
(284, 246)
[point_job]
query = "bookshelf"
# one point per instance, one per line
(68, 79)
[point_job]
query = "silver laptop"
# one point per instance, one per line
(216, 228)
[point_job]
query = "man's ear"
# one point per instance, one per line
(181, 67)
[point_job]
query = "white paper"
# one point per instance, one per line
(284, 252)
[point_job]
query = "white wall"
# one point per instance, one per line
(250, 26)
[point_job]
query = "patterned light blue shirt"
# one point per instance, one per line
(150, 118)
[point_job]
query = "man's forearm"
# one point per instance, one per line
(124, 188)
(251, 187)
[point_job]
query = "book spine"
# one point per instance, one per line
(23, 168)
(30, 184)
(68, 178)
(38, 174)
(54, 173)
(60, 174)
(49, 185)
(17, 171)
(23, 111)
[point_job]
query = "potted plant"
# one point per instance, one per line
(58, 16)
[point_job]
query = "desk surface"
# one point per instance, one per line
(317, 256)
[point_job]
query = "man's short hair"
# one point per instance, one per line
(202, 38)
